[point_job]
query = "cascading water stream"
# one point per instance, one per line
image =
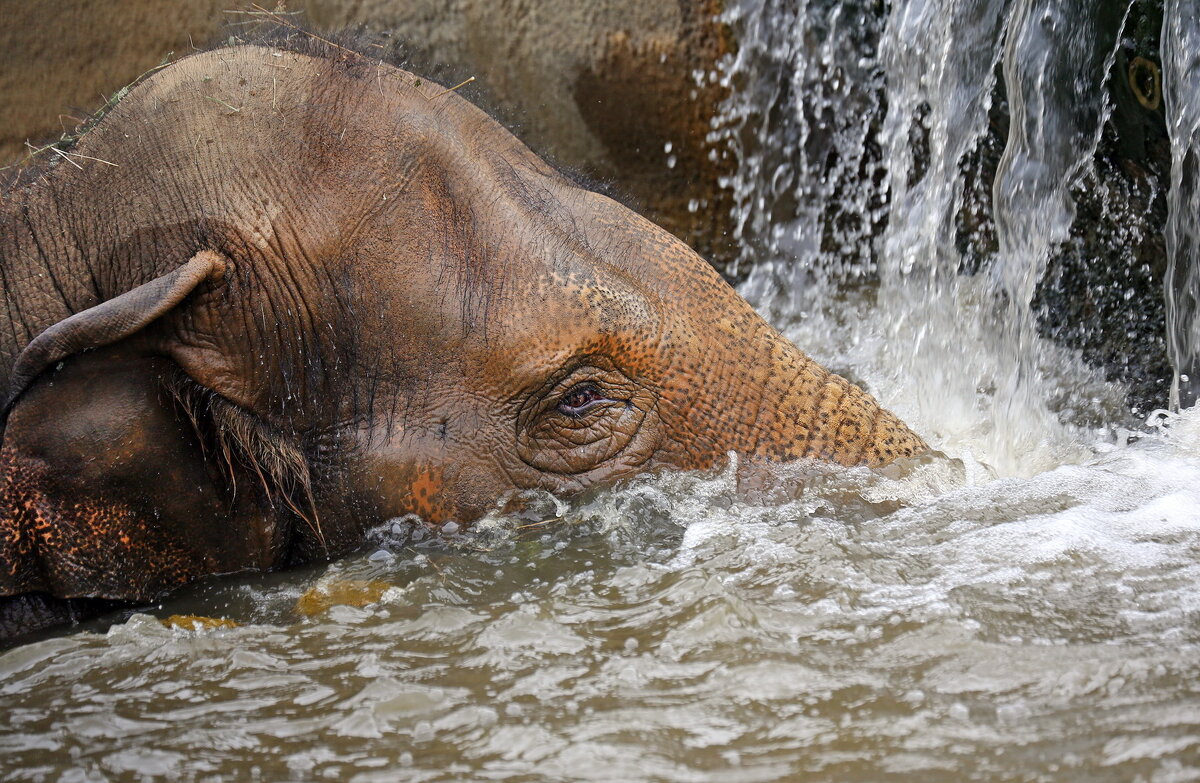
(1181, 92)
(801, 120)
(1057, 58)
(940, 60)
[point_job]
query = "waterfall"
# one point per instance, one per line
(1057, 57)
(1181, 92)
(801, 120)
(876, 163)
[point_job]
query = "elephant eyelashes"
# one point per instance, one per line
(580, 399)
(241, 444)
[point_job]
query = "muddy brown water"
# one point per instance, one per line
(939, 625)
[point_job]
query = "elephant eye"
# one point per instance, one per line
(579, 399)
(582, 417)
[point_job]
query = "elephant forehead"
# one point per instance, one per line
(495, 281)
(529, 340)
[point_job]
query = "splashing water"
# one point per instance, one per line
(1025, 609)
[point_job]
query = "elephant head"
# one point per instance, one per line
(283, 294)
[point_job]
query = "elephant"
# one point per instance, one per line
(283, 292)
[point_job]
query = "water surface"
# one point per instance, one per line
(940, 625)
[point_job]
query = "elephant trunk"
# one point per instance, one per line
(809, 412)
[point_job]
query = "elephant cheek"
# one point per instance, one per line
(458, 489)
(382, 489)
(105, 490)
(427, 495)
(84, 548)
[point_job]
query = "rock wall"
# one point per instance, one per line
(615, 90)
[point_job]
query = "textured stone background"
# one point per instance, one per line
(601, 87)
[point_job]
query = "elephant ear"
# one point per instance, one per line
(106, 490)
(111, 321)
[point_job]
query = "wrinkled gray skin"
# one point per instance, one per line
(277, 298)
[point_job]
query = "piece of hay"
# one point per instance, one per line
(194, 622)
(349, 592)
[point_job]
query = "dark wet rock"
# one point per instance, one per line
(651, 107)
